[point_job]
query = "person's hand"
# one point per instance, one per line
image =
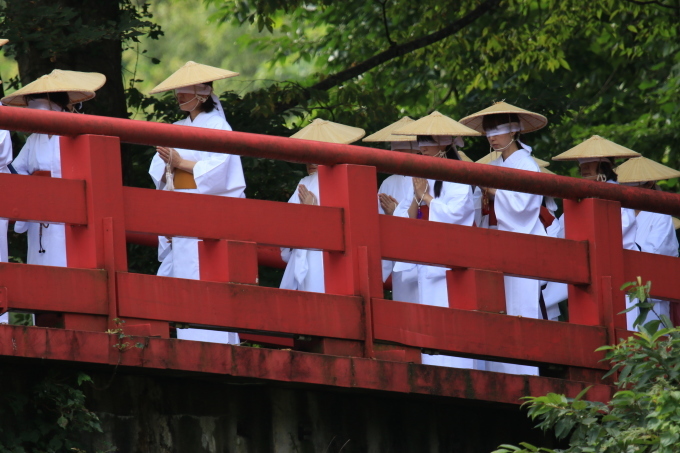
(489, 191)
(387, 203)
(169, 154)
(306, 197)
(420, 187)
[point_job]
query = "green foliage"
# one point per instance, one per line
(48, 416)
(642, 417)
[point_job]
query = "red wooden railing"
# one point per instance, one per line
(352, 318)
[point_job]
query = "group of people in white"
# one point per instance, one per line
(435, 136)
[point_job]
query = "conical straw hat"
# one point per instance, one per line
(385, 134)
(676, 223)
(528, 121)
(641, 169)
(496, 154)
(464, 157)
(80, 86)
(596, 146)
(327, 131)
(546, 171)
(436, 124)
(3, 41)
(192, 73)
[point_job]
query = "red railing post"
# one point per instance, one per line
(474, 289)
(597, 304)
(357, 270)
(100, 244)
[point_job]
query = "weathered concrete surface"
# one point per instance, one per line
(144, 412)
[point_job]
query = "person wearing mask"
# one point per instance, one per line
(197, 172)
(511, 211)
(439, 137)
(393, 189)
(304, 268)
(58, 91)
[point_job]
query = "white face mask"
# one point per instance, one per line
(44, 104)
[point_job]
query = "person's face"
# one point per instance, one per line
(500, 141)
(431, 150)
(188, 101)
(312, 168)
(648, 185)
(589, 170)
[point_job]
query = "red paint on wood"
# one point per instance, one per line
(228, 261)
(42, 199)
(469, 333)
(472, 289)
(239, 307)
(244, 144)
(236, 219)
(599, 223)
(461, 246)
(663, 271)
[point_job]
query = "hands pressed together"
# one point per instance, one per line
(306, 197)
(387, 203)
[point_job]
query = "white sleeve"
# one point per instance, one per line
(220, 174)
(5, 149)
(455, 205)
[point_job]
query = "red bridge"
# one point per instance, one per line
(350, 337)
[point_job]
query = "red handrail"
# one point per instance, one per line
(281, 148)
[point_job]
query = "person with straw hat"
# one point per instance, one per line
(58, 91)
(517, 212)
(655, 232)
(5, 161)
(393, 189)
(304, 268)
(191, 171)
(438, 201)
(595, 158)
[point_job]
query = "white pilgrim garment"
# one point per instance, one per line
(5, 160)
(656, 234)
(214, 174)
(41, 153)
(405, 283)
(555, 292)
(304, 268)
(518, 212)
(455, 205)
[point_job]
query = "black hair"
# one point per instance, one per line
(498, 119)
(209, 104)
(60, 98)
(607, 169)
(450, 154)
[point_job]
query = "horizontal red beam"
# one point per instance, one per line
(239, 307)
(227, 361)
(479, 248)
(60, 289)
(42, 199)
(662, 271)
(281, 148)
(238, 219)
(488, 334)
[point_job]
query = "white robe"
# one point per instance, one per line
(42, 153)
(304, 268)
(404, 284)
(215, 174)
(455, 205)
(5, 160)
(656, 234)
(518, 212)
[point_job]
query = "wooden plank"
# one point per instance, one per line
(60, 289)
(662, 271)
(470, 333)
(237, 306)
(237, 219)
(224, 361)
(461, 246)
(42, 199)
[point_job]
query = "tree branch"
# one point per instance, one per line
(399, 50)
(387, 29)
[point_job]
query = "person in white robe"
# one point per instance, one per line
(304, 268)
(446, 202)
(512, 211)
(595, 157)
(198, 172)
(394, 189)
(655, 232)
(5, 161)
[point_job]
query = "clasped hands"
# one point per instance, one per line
(306, 197)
